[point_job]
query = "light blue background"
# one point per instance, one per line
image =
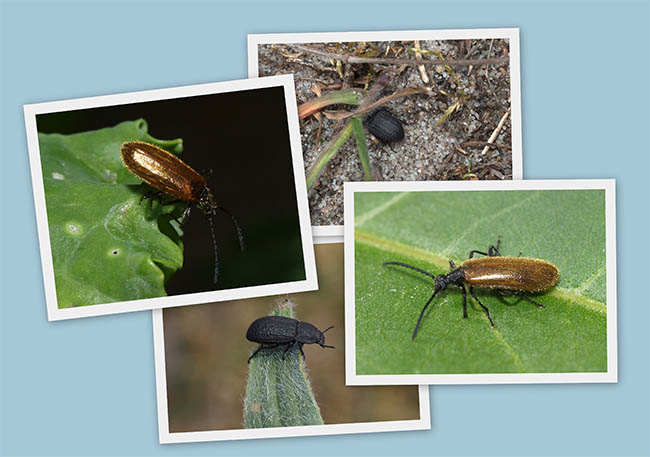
(87, 387)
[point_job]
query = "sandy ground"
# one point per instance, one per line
(429, 151)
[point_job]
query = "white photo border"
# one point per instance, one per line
(308, 284)
(611, 375)
(335, 233)
(165, 436)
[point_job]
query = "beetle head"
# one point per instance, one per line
(322, 338)
(441, 283)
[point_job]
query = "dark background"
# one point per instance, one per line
(243, 137)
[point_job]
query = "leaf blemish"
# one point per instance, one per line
(73, 229)
(115, 252)
(58, 176)
(108, 175)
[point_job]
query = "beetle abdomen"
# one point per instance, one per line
(384, 126)
(163, 170)
(272, 329)
(510, 273)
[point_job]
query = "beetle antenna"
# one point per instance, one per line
(411, 267)
(325, 345)
(415, 331)
(214, 244)
(234, 221)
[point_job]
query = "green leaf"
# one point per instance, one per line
(278, 392)
(106, 246)
(427, 229)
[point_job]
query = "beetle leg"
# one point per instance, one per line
(462, 289)
(173, 202)
(260, 347)
(255, 353)
(185, 215)
(494, 250)
(151, 196)
(539, 305)
(511, 293)
(303, 354)
(487, 311)
(289, 345)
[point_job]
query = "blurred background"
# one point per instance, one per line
(206, 355)
(243, 138)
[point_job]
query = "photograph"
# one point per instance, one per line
(490, 282)
(429, 105)
(271, 367)
(168, 197)
(308, 229)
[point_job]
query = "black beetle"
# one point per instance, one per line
(272, 331)
(384, 126)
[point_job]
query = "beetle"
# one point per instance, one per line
(386, 127)
(170, 175)
(507, 275)
(273, 331)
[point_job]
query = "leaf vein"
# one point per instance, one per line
(482, 220)
(585, 285)
(573, 295)
(362, 219)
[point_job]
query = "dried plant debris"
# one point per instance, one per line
(446, 129)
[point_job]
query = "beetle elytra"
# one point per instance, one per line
(170, 175)
(384, 126)
(507, 275)
(273, 331)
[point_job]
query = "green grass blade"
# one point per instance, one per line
(347, 96)
(362, 146)
(328, 153)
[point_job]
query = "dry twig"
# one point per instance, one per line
(367, 108)
(496, 132)
(421, 68)
(387, 60)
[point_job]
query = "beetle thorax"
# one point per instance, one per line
(308, 334)
(456, 277)
(206, 202)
